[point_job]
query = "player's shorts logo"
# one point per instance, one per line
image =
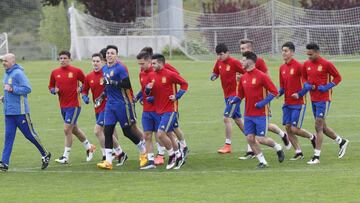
(163, 79)
(319, 68)
(70, 75)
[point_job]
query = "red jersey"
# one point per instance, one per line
(171, 68)
(146, 77)
(261, 65)
(165, 85)
(227, 70)
(291, 80)
(254, 87)
(318, 73)
(94, 82)
(67, 80)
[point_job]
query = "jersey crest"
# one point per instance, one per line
(9, 81)
(292, 71)
(111, 73)
(319, 68)
(70, 75)
(91, 81)
(101, 81)
(163, 79)
(253, 81)
(228, 67)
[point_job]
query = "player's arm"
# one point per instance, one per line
(81, 78)
(21, 87)
(306, 84)
(281, 81)
(272, 92)
(239, 94)
(177, 79)
(85, 91)
(52, 88)
(215, 73)
(335, 81)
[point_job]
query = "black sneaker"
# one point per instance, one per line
(185, 152)
(314, 160)
(103, 158)
(313, 141)
(344, 143)
(261, 166)
(286, 142)
(121, 159)
(281, 155)
(179, 162)
(171, 162)
(248, 155)
(45, 161)
(3, 167)
(297, 156)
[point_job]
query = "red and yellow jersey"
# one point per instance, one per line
(165, 82)
(147, 77)
(227, 71)
(67, 79)
(320, 72)
(291, 80)
(254, 87)
(94, 83)
(261, 65)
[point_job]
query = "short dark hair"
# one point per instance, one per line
(103, 53)
(97, 55)
(250, 55)
(247, 41)
(159, 57)
(313, 46)
(112, 47)
(148, 50)
(67, 53)
(143, 55)
(289, 45)
(221, 48)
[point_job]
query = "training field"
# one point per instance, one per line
(206, 176)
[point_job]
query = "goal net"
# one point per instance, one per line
(269, 25)
(4, 46)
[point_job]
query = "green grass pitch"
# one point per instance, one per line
(207, 176)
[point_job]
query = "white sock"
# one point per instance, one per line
(118, 150)
(298, 151)
(312, 137)
(317, 152)
(277, 147)
(227, 141)
(183, 143)
(108, 154)
(141, 147)
(261, 158)
(161, 149)
(67, 152)
(281, 134)
(150, 156)
(338, 139)
(248, 148)
(170, 152)
(87, 144)
(178, 153)
(103, 151)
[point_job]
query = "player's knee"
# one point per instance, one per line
(294, 130)
(251, 139)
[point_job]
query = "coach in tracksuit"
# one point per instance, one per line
(16, 109)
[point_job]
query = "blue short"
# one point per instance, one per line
(70, 114)
(150, 121)
(167, 121)
(122, 113)
(320, 109)
(232, 110)
(100, 118)
(256, 125)
(293, 115)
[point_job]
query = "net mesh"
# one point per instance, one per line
(269, 25)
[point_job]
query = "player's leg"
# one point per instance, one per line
(229, 112)
(319, 113)
(10, 132)
(261, 125)
(99, 131)
(149, 127)
(120, 155)
(68, 127)
(284, 137)
(26, 127)
(292, 119)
